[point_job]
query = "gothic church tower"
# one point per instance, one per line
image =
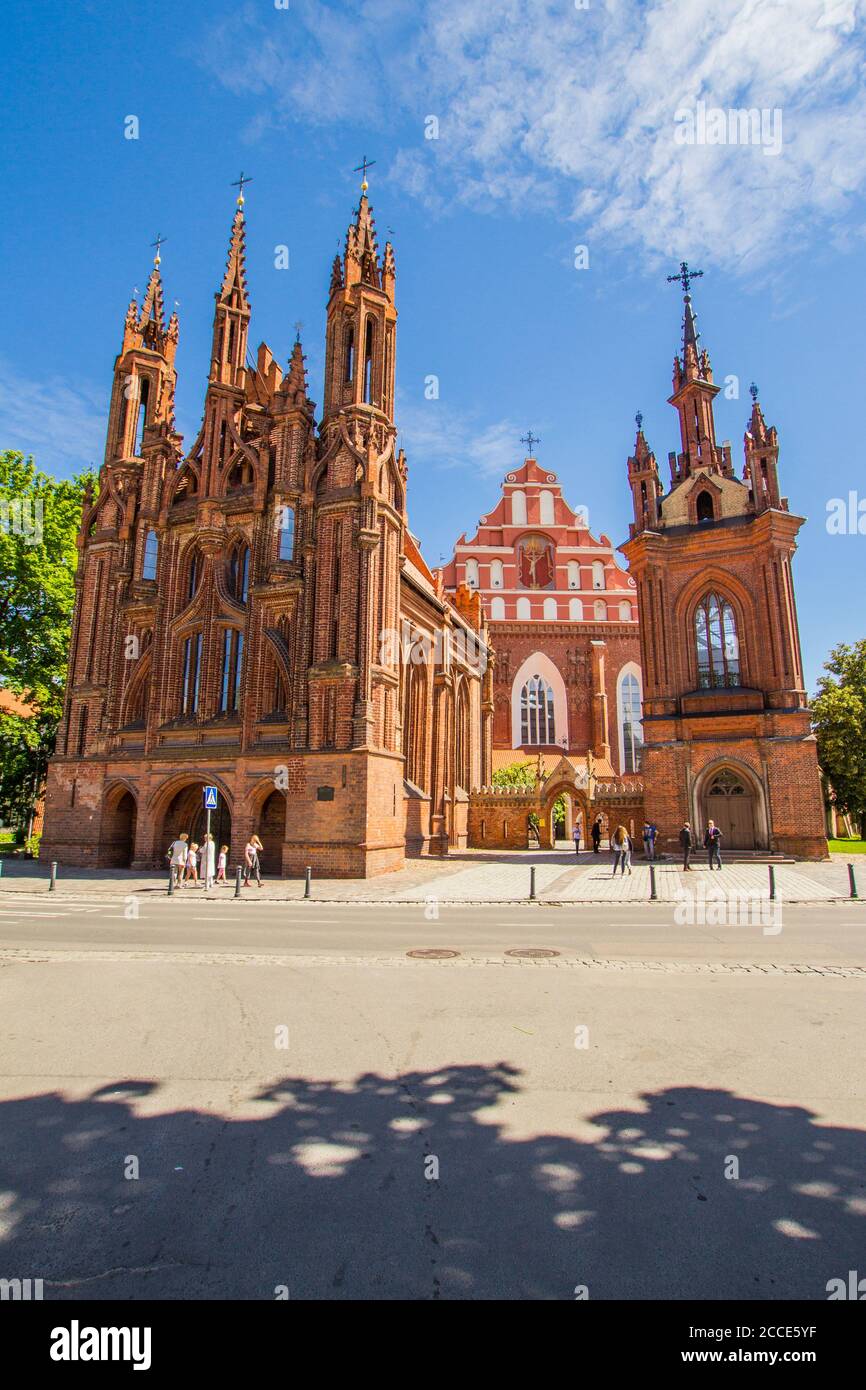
(726, 728)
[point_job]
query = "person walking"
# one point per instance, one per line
(222, 861)
(686, 842)
(575, 835)
(177, 853)
(251, 860)
(713, 845)
(192, 863)
(596, 835)
(208, 861)
(649, 840)
(619, 843)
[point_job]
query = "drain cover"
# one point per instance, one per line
(533, 953)
(433, 953)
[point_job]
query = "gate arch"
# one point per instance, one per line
(731, 794)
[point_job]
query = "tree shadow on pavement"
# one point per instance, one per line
(331, 1193)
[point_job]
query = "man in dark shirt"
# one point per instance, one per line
(713, 845)
(686, 842)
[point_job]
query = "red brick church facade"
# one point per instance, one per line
(563, 625)
(255, 613)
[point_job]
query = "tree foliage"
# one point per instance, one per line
(39, 519)
(515, 775)
(839, 714)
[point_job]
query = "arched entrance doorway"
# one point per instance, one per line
(272, 833)
(118, 829)
(729, 800)
(185, 812)
(563, 808)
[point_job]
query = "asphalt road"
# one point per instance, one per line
(228, 1101)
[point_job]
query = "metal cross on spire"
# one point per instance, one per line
(638, 419)
(160, 241)
(753, 392)
(362, 169)
(239, 185)
(298, 326)
(529, 439)
(685, 276)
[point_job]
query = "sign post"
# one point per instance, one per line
(211, 801)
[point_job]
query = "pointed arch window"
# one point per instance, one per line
(705, 509)
(349, 353)
(241, 474)
(232, 671)
(239, 573)
(287, 533)
(151, 555)
(537, 724)
(717, 643)
(195, 565)
(368, 361)
(630, 726)
(141, 415)
(191, 674)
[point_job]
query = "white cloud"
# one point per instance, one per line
(60, 422)
(540, 101)
(436, 436)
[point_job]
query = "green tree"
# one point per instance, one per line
(515, 775)
(39, 519)
(839, 714)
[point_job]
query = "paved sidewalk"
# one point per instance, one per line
(476, 876)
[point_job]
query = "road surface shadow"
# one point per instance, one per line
(333, 1193)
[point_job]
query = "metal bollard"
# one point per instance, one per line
(653, 889)
(852, 882)
(532, 897)
(772, 883)
(170, 882)
(53, 882)
(238, 882)
(308, 876)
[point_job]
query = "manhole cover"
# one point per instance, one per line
(433, 953)
(533, 953)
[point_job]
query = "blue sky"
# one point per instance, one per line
(557, 128)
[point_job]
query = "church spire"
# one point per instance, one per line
(693, 395)
(761, 449)
(359, 358)
(232, 312)
(646, 489)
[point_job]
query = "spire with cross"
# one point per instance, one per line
(239, 185)
(160, 241)
(362, 169)
(530, 440)
(685, 277)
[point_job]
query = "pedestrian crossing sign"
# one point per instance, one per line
(210, 798)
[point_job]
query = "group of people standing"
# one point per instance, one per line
(194, 863)
(622, 845)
